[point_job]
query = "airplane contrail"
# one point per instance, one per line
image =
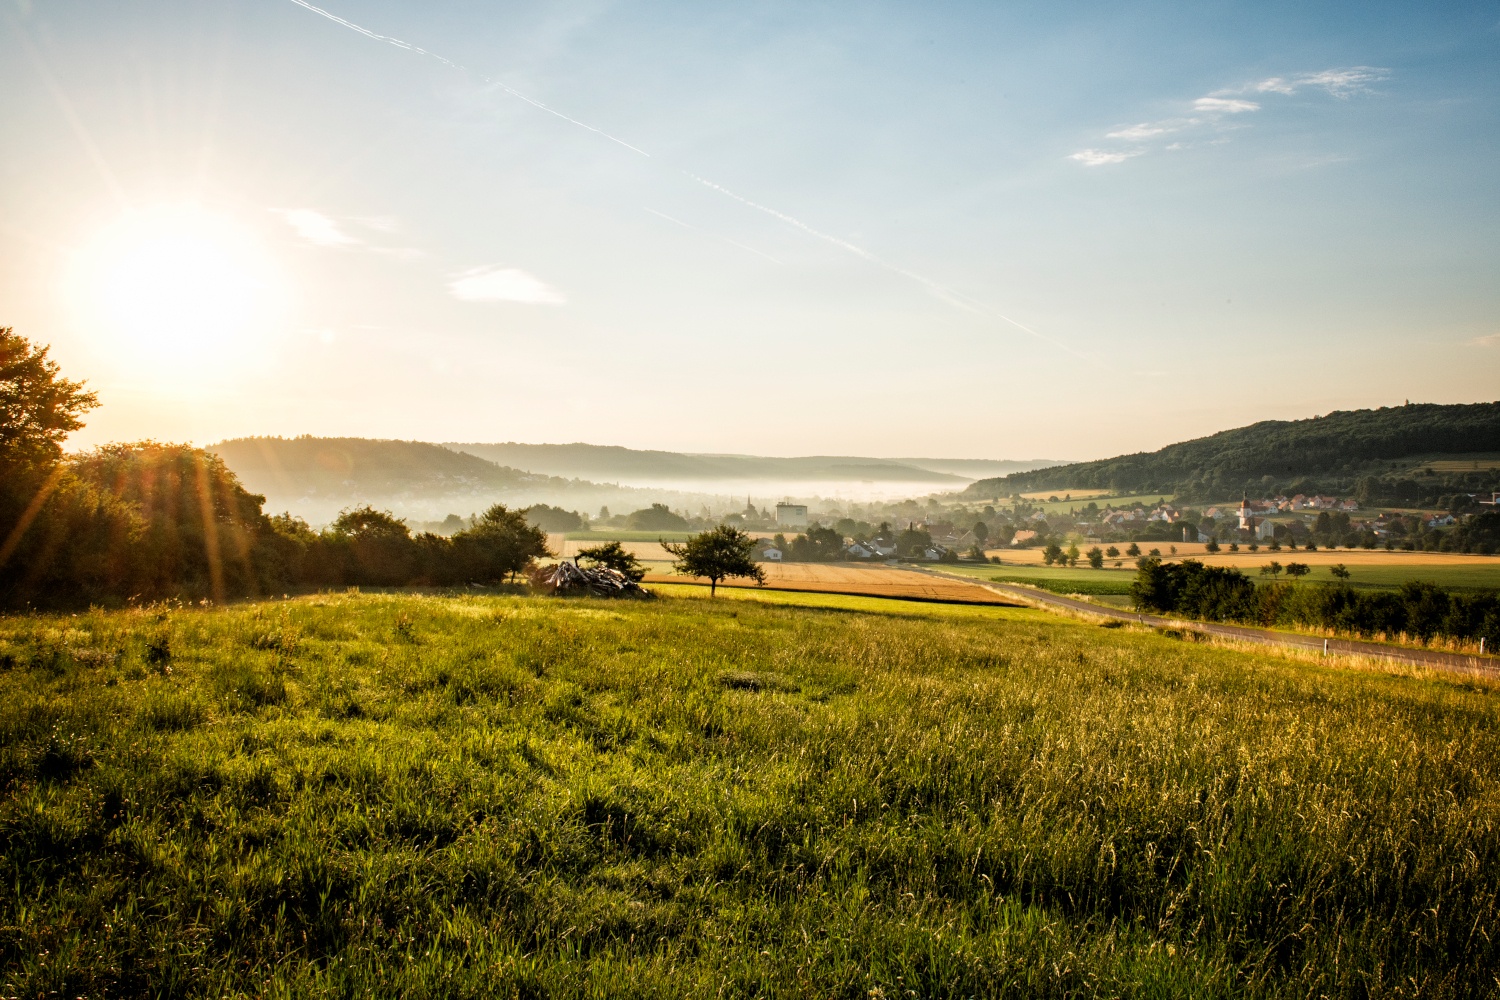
(955, 299)
(699, 229)
(398, 43)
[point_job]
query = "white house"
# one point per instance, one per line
(771, 554)
(793, 515)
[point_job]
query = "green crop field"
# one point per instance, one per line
(779, 795)
(611, 535)
(1471, 575)
(1064, 580)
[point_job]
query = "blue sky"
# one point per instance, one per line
(975, 230)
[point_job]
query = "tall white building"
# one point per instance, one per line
(792, 515)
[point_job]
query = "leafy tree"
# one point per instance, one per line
(1212, 545)
(1297, 570)
(499, 545)
(613, 556)
(981, 532)
(554, 518)
(657, 517)
(913, 542)
(1096, 558)
(38, 407)
(1272, 568)
(817, 544)
(372, 547)
(1133, 551)
(717, 554)
(1053, 553)
(1072, 553)
(1112, 552)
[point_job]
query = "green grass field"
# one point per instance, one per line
(611, 535)
(1064, 580)
(781, 795)
(1082, 580)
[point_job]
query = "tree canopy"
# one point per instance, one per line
(38, 407)
(717, 554)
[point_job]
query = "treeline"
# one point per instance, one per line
(149, 521)
(1218, 593)
(1368, 452)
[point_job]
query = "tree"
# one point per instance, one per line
(1297, 570)
(1272, 569)
(1339, 571)
(657, 517)
(38, 408)
(1053, 553)
(1212, 545)
(1133, 551)
(717, 554)
(1096, 558)
(377, 547)
(981, 532)
(612, 555)
(1112, 552)
(913, 542)
(554, 518)
(500, 544)
(1072, 553)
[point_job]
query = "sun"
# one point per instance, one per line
(176, 291)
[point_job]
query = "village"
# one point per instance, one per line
(965, 534)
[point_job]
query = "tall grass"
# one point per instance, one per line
(492, 796)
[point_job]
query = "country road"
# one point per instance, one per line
(1488, 666)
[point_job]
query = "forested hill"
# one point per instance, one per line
(610, 463)
(1387, 450)
(304, 465)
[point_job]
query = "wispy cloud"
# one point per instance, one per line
(1224, 105)
(315, 227)
(1340, 83)
(1214, 111)
(1102, 157)
(469, 283)
(1489, 340)
(504, 284)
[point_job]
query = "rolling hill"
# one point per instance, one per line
(641, 467)
(1397, 454)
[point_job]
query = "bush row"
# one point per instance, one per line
(1218, 593)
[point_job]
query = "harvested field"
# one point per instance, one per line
(848, 578)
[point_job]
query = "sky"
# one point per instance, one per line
(984, 230)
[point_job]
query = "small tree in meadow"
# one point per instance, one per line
(1096, 558)
(1133, 551)
(717, 554)
(1271, 569)
(1340, 572)
(1297, 570)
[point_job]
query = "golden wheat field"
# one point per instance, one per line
(847, 578)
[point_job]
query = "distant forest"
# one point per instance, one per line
(1392, 455)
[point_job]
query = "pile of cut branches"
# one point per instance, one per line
(568, 578)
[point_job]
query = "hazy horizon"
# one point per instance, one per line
(977, 231)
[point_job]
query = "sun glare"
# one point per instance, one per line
(175, 291)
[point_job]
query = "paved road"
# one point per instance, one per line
(1488, 666)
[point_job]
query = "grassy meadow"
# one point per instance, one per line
(760, 795)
